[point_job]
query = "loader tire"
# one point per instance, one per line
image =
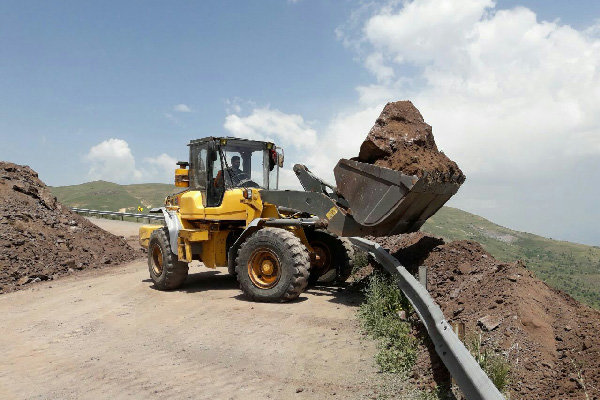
(166, 271)
(272, 266)
(336, 258)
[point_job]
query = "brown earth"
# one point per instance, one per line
(551, 341)
(41, 239)
(109, 334)
(401, 140)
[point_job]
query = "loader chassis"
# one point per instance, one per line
(231, 214)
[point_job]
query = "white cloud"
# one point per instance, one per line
(161, 168)
(514, 100)
(182, 108)
(495, 81)
(375, 63)
(273, 125)
(113, 161)
(174, 120)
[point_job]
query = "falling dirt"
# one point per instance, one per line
(401, 140)
(41, 239)
(551, 341)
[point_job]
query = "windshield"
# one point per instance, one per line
(245, 164)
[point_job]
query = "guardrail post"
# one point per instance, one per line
(423, 276)
(459, 329)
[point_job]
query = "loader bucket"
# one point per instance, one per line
(387, 202)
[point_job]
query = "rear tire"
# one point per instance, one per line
(166, 271)
(337, 258)
(272, 266)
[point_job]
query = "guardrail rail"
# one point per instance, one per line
(101, 213)
(471, 379)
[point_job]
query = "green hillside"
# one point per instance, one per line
(572, 267)
(102, 195)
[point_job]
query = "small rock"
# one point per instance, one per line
(488, 322)
(465, 268)
(458, 311)
(69, 264)
(402, 315)
(587, 344)
(23, 281)
(568, 328)
(548, 364)
(513, 278)
(298, 390)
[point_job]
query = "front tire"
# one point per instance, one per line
(272, 266)
(166, 271)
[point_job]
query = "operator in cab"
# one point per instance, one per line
(233, 174)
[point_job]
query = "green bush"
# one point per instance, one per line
(397, 348)
(494, 365)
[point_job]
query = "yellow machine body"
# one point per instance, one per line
(145, 232)
(206, 229)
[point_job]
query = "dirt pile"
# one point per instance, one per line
(401, 140)
(552, 341)
(41, 239)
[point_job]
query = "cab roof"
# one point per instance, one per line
(227, 139)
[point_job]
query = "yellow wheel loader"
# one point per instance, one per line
(231, 214)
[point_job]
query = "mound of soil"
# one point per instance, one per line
(552, 342)
(401, 140)
(42, 239)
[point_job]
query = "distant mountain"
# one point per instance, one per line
(572, 267)
(102, 195)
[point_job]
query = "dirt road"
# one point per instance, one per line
(109, 334)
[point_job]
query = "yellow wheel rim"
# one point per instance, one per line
(264, 269)
(157, 260)
(323, 257)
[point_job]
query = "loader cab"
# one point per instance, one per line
(221, 164)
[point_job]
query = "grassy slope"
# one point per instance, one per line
(101, 195)
(572, 267)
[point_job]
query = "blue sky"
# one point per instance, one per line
(115, 90)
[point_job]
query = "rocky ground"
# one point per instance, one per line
(42, 239)
(551, 341)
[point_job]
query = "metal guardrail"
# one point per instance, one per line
(467, 373)
(118, 214)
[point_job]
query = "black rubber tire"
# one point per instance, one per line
(342, 254)
(173, 272)
(294, 263)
